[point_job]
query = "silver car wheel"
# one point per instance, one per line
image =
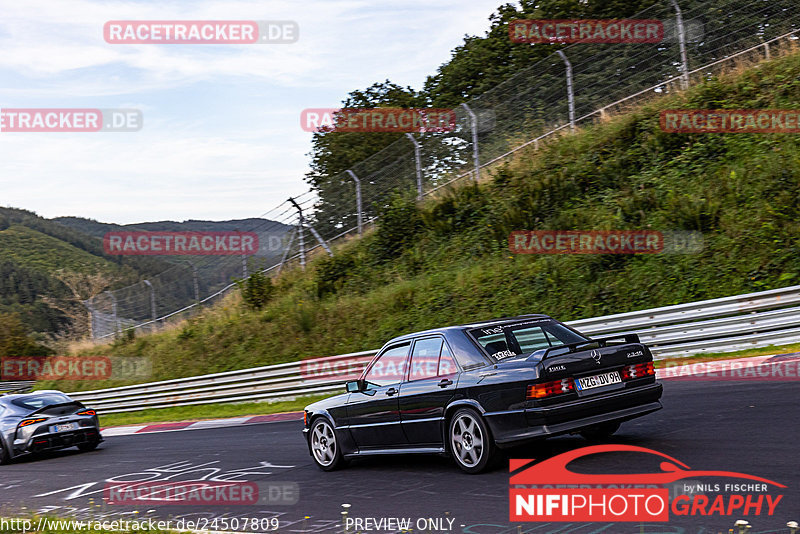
(323, 443)
(467, 440)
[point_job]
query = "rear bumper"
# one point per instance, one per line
(46, 442)
(516, 427)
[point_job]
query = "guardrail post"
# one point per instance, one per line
(570, 90)
(418, 165)
(766, 50)
(682, 44)
(152, 300)
(358, 200)
(473, 119)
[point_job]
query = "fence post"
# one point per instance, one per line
(286, 251)
(195, 282)
(418, 164)
(570, 90)
(473, 119)
(358, 200)
(114, 312)
(152, 300)
(682, 44)
(300, 238)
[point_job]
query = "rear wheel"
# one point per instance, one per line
(601, 431)
(324, 446)
(470, 442)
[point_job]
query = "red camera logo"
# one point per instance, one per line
(586, 31)
(180, 243)
(552, 492)
(408, 120)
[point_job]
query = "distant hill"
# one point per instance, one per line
(48, 266)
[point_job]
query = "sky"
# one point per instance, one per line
(221, 136)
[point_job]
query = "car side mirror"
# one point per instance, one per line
(354, 386)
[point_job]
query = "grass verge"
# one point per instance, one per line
(206, 411)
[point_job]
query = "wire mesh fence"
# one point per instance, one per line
(701, 39)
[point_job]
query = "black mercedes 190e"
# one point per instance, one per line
(465, 390)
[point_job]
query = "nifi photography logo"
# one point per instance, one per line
(549, 491)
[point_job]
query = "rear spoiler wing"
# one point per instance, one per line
(76, 404)
(601, 342)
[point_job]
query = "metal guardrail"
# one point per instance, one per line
(16, 387)
(718, 325)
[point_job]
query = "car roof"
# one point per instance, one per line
(469, 326)
(8, 397)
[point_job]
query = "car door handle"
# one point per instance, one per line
(445, 382)
(391, 391)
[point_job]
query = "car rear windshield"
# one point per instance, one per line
(524, 337)
(34, 402)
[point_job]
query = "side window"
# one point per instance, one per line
(425, 358)
(390, 367)
(447, 365)
(532, 339)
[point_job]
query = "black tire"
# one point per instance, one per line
(470, 442)
(4, 456)
(324, 446)
(601, 431)
(90, 446)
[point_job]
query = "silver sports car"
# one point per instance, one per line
(42, 421)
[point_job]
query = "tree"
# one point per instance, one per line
(15, 338)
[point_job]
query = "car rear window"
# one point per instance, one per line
(525, 337)
(36, 402)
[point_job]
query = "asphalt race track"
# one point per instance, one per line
(747, 427)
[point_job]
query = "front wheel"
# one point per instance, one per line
(4, 456)
(324, 446)
(470, 442)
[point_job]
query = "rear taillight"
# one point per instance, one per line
(638, 370)
(548, 389)
(28, 422)
(87, 412)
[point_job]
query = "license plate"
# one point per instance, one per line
(64, 428)
(596, 381)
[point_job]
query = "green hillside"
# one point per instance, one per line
(46, 268)
(447, 261)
